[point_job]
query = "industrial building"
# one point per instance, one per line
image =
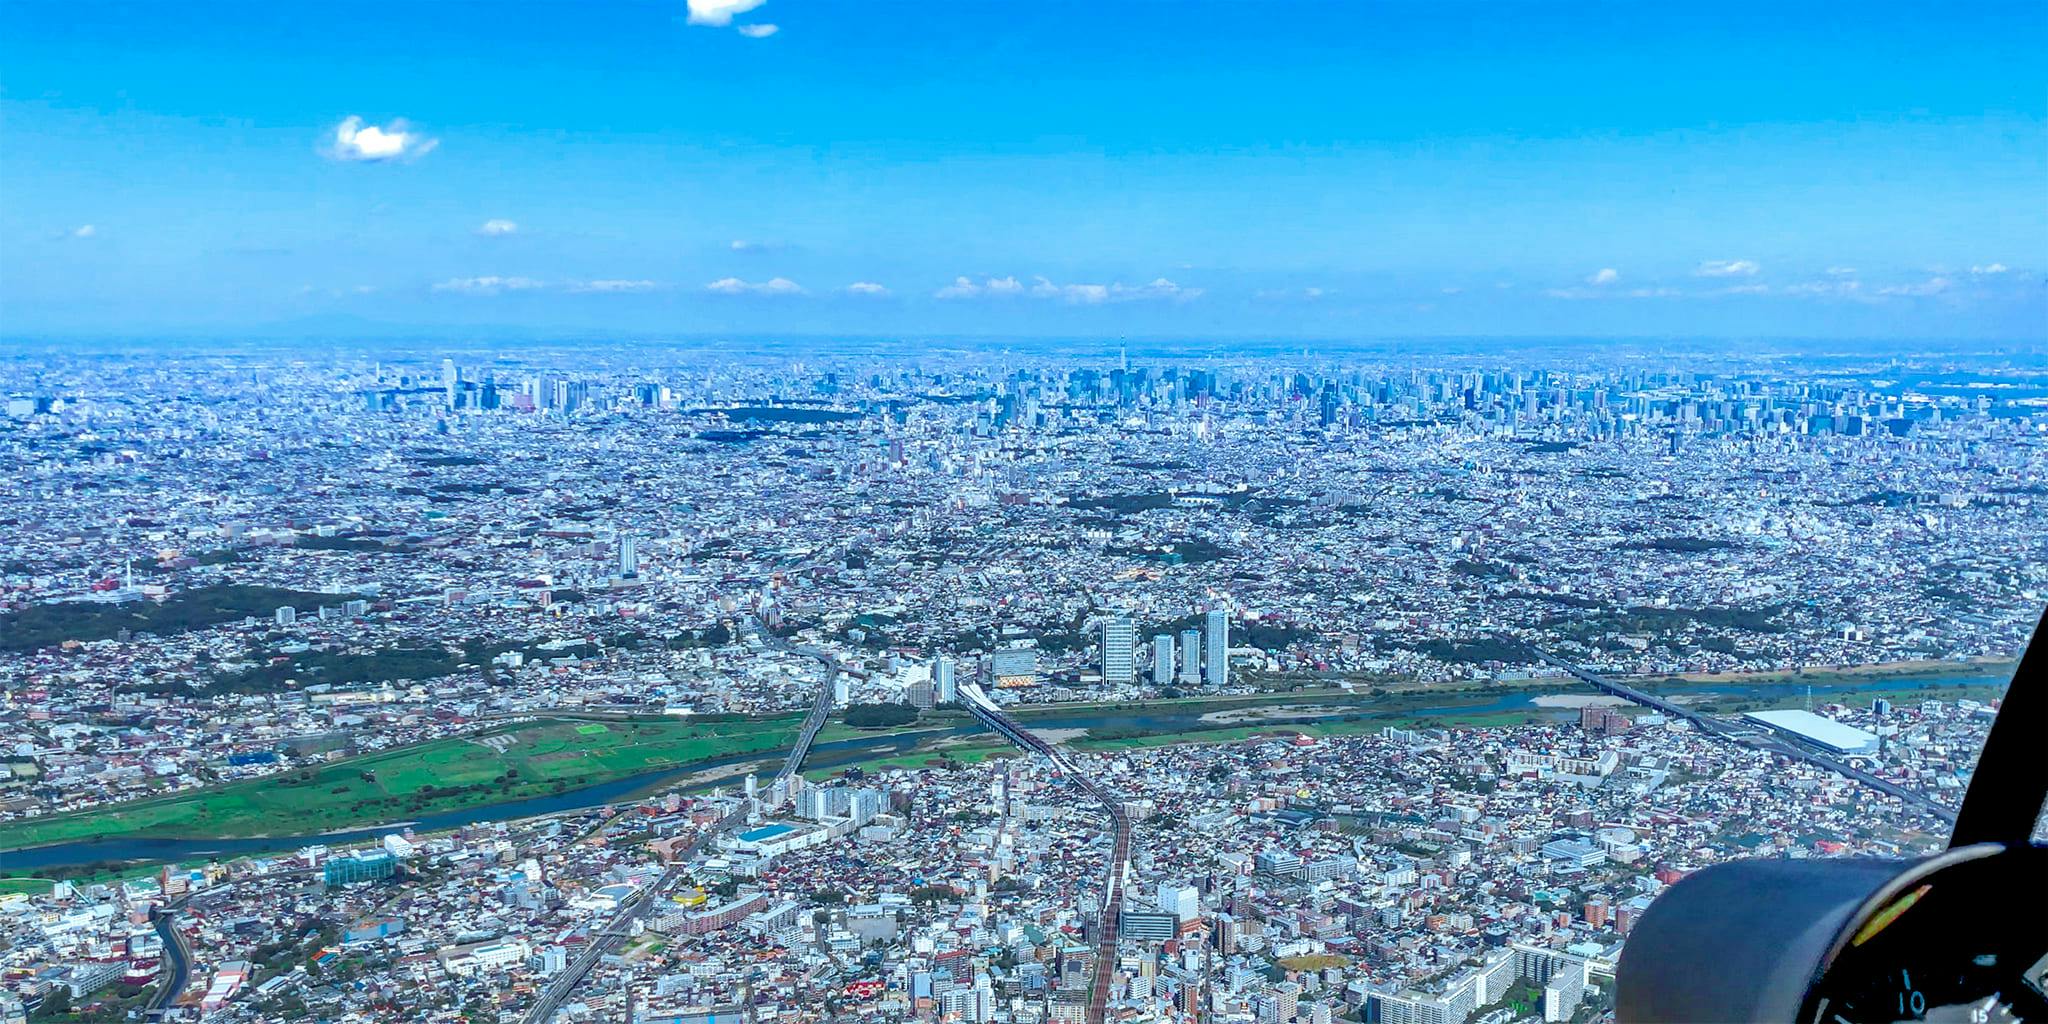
(1825, 733)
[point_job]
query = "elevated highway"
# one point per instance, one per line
(1738, 733)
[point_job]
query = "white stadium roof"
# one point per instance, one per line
(1825, 731)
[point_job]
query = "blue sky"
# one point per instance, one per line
(1161, 169)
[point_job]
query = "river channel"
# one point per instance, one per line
(861, 748)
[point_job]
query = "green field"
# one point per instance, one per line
(1337, 699)
(1328, 727)
(965, 754)
(537, 759)
(1377, 719)
(836, 730)
(32, 886)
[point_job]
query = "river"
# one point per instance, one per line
(861, 748)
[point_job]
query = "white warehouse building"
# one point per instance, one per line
(1825, 733)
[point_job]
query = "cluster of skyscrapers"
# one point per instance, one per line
(1203, 654)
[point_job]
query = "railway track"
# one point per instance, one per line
(1118, 871)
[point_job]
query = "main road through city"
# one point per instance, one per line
(1737, 733)
(607, 940)
(1119, 867)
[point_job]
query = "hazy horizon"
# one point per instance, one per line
(1060, 169)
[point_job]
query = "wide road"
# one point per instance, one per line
(1119, 867)
(1740, 734)
(608, 939)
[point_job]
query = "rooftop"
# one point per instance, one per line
(1814, 727)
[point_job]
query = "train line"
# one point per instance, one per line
(1119, 868)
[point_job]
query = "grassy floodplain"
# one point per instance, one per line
(538, 758)
(925, 756)
(1396, 711)
(503, 763)
(1334, 726)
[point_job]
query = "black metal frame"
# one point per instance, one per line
(2011, 780)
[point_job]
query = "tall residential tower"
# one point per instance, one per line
(1119, 651)
(1219, 648)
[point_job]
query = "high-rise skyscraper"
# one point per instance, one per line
(1119, 651)
(1162, 659)
(1219, 648)
(629, 555)
(1191, 656)
(945, 689)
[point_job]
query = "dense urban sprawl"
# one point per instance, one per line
(353, 690)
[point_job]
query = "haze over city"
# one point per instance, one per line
(714, 511)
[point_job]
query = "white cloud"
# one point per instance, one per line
(1160, 289)
(1989, 268)
(1045, 289)
(1841, 271)
(1813, 289)
(759, 31)
(489, 285)
(497, 226)
(1309, 294)
(1728, 268)
(1931, 286)
(719, 13)
(369, 143)
(84, 231)
(1605, 275)
(772, 286)
(866, 288)
(1611, 293)
(613, 285)
(965, 288)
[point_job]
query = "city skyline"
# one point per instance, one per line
(1218, 171)
(607, 679)
(1080, 512)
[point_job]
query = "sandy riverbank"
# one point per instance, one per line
(1267, 713)
(1058, 736)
